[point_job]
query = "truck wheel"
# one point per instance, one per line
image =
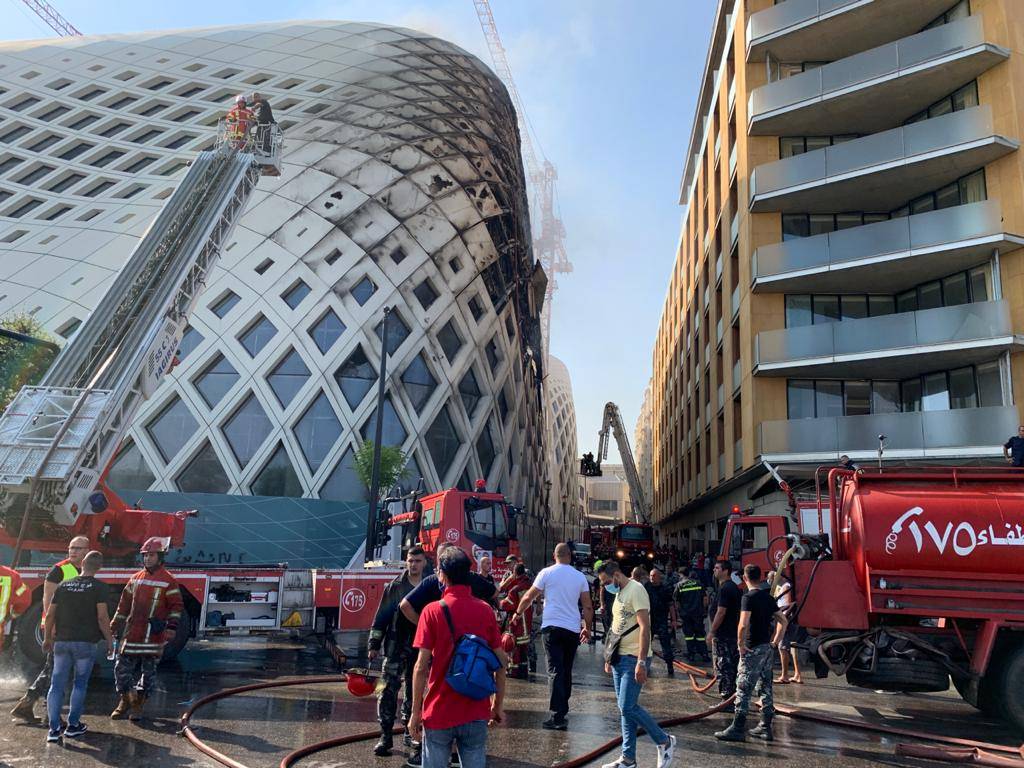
(988, 699)
(910, 675)
(1006, 681)
(30, 635)
(177, 645)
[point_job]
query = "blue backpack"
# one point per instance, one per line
(473, 664)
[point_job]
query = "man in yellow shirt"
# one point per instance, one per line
(631, 626)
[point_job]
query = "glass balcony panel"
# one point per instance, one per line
(855, 337)
(786, 15)
(859, 68)
(940, 41)
(869, 240)
(792, 255)
(737, 374)
(732, 160)
(965, 322)
(782, 93)
(947, 130)
(799, 169)
(734, 300)
(953, 224)
(808, 341)
(864, 152)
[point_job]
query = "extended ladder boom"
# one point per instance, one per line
(57, 438)
(613, 421)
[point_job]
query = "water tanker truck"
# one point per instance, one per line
(906, 579)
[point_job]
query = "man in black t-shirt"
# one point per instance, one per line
(757, 644)
(76, 621)
(430, 591)
(724, 614)
(1013, 449)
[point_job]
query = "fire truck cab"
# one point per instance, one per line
(479, 523)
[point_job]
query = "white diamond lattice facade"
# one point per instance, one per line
(566, 502)
(401, 186)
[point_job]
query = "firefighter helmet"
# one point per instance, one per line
(508, 642)
(154, 544)
(359, 684)
(240, 99)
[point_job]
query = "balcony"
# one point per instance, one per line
(732, 161)
(924, 434)
(914, 250)
(826, 30)
(875, 89)
(882, 171)
(890, 346)
(737, 375)
(737, 456)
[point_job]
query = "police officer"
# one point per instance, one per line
(689, 595)
(393, 633)
(757, 644)
(725, 616)
(663, 617)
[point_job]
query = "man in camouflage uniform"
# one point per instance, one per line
(724, 613)
(757, 647)
(663, 617)
(394, 633)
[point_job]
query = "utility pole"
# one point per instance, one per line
(378, 433)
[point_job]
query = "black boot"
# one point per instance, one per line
(383, 747)
(764, 729)
(737, 731)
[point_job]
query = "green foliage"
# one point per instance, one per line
(22, 363)
(392, 465)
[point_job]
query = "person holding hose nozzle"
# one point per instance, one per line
(757, 646)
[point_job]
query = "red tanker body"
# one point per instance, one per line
(912, 577)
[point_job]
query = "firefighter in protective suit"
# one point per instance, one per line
(15, 599)
(237, 123)
(519, 628)
(393, 633)
(690, 603)
(148, 611)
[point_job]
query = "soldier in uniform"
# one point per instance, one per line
(757, 648)
(689, 595)
(664, 619)
(393, 633)
(725, 616)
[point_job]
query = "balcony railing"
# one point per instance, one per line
(960, 432)
(721, 396)
(893, 344)
(939, 242)
(718, 267)
(732, 160)
(732, 95)
(877, 88)
(899, 163)
(734, 300)
(737, 374)
(737, 456)
(734, 228)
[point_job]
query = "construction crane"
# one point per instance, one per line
(591, 466)
(549, 232)
(53, 19)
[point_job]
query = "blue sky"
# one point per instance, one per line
(609, 88)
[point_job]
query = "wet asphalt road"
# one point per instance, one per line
(259, 728)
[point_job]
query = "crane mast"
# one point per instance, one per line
(612, 422)
(53, 19)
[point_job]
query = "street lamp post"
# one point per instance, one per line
(378, 434)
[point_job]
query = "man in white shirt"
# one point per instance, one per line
(563, 625)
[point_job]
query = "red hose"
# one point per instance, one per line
(974, 756)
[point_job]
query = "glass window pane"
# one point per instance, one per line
(356, 377)
(929, 296)
(881, 305)
(959, 11)
(215, 380)
(392, 431)
(328, 329)
(911, 392)
(817, 142)
(398, 332)
(947, 197)
(794, 226)
(442, 442)
(172, 428)
(899, 213)
(935, 394)
(962, 392)
(885, 397)
(906, 302)
(854, 307)
(791, 145)
(972, 188)
(874, 218)
(469, 391)
(979, 284)
(990, 387)
(129, 471)
(954, 290)
(288, 378)
(826, 308)
(419, 382)
(828, 398)
(943, 107)
(800, 399)
(277, 478)
(857, 396)
(246, 430)
(798, 311)
(189, 341)
(820, 223)
(344, 483)
(923, 204)
(450, 340)
(502, 405)
(294, 295)
(848, 220)
(224, 304)
(485, 450)
(317, 431)
(204, 474)
(255, 338)
(363, 290)
(493, 352)
(425, 294)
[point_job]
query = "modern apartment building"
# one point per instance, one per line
(849, 264)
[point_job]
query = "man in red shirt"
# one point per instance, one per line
(443, 718)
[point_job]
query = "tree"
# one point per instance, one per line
(392, 466)
(23, 362)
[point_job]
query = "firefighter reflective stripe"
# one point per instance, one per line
(67, 571)
(5, 596)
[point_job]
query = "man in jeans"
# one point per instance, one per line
(564, 629)
(442, 718)
(76, 621)
(631, 614)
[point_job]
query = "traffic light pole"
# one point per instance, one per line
(378, 433)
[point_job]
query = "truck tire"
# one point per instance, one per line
(909, 675)
(988, 700)
(30, 634)
(1007, 677)
(177, 645)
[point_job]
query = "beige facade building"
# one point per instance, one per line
(607, 498)
(850, 262)
(643, 445)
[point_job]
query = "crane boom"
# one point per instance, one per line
(612, 422)
(53, 19)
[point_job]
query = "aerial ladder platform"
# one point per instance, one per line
(57, 438)
(591, 466)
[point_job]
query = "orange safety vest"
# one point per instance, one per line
(67, 571)
(237, 122)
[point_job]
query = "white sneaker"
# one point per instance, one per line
(620, 763)
(667, 752)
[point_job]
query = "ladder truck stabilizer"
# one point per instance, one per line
(58, 438)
